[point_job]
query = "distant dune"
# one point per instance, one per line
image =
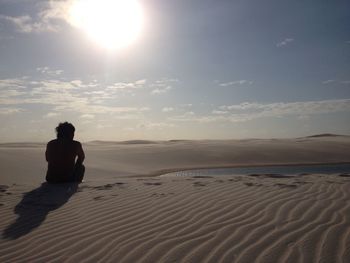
(22, 144)
(148, 158)
(325, 135)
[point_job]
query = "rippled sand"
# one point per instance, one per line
(121, 213)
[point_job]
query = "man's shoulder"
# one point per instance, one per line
(52, 142)
(77, 143)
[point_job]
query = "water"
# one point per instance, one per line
(286, 170)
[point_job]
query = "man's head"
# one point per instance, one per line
(65, 130)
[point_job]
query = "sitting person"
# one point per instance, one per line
(64, 156)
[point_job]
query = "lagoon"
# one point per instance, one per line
(281, 169)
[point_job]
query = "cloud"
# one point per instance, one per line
(8, 111)
(161, 90)
(186, 105)
(248, 111)
(187, 116)
(75, 96)
(50, 17)
(51, 115)
(10, 93)
(219, 112)
(26, 24)
(166, 81)
(285, 42)
(48, 71)
(138, 84)
(12, 83)
(87, 116)
(236, 83)
(167, 109)
(163, 85)
(155, 125)
(329, 81)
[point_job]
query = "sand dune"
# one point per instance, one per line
(226, 219)
(110, 160)
(124, 213)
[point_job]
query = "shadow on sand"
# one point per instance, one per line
(35, 206)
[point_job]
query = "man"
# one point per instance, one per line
(64, 156)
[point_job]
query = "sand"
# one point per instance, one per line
(124, 212)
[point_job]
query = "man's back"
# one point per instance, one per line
(61, 155)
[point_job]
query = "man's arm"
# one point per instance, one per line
(81, 154)
(47, 153)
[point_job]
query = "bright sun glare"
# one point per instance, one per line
(111, 23)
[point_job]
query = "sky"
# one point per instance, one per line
(197, 69)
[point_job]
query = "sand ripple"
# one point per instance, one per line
(226, 219)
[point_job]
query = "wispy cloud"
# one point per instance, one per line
(186, 105)
(187, 116)
(12, 83)
(48, 71)
(248, 111)
(50, 17)
(285, 42)
(161, 90)
(168, 109)
(219, 112)
(155, 125)
(76, 96)
(237, 83)
(26, 24)
(163, 85)
(128, 85)
(329, 81)
(51, 115)
(8, 110)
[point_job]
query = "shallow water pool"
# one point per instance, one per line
(285, 170)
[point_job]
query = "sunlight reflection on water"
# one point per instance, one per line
(286, 170)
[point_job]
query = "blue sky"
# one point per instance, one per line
(199, 70)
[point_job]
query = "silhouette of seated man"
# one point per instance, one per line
(64, 156)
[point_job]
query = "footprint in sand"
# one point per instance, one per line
(199, 184)
(201, 176)
(3, 188)
(107, 186)
(219, 181)
(153, 183)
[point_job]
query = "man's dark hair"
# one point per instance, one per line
(65, 130)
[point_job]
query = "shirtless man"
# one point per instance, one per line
(64, 156)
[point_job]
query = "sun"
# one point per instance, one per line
(112, 24)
